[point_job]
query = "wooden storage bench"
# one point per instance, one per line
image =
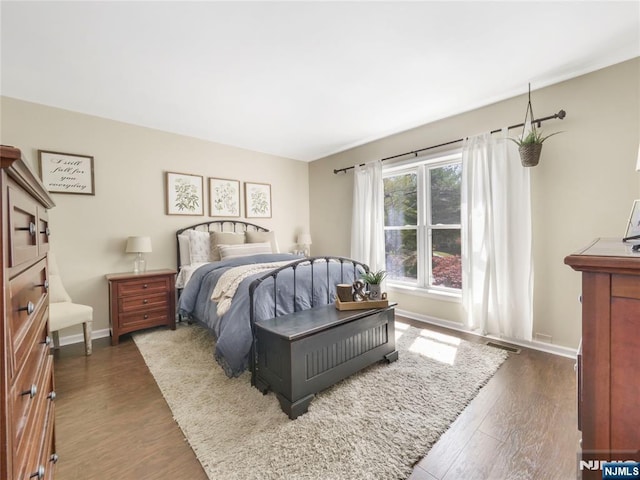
(305, 352)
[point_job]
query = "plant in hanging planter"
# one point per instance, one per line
(374, 279)
(530, 146)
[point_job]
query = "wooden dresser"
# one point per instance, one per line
(609, 362)
(27, 448)
(141, 300)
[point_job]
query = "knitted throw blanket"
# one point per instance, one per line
(230, 280)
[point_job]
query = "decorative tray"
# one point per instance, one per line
(363, 305)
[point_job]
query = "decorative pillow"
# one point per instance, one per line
(224, 238)
(234, 251)
(199, 246)
(183, 245)
(260, 237)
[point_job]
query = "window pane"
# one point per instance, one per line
(401, 200)
(446, 266)
(445, 194)
(401, 255)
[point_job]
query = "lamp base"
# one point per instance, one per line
(140, 264)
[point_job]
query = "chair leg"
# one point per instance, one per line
(86, 328)
(56, 340)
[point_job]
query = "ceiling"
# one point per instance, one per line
(300, 79)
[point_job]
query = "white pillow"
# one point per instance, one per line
(224, 238)
(259, 237)
(199, 246)
(243, 250)
(183, 245)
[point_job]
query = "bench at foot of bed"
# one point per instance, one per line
(305, 352)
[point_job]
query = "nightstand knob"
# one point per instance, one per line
(145, 301)
(54, 458)
(47, 340)
(52, 396)
(31, 392)
(44, 285)
(146, 316)
(38, 473)
(145, 286)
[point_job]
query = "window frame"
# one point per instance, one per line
(422, 166)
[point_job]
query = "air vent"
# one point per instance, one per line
(504, 347)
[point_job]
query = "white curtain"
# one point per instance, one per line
(497, 275)
(367, 227)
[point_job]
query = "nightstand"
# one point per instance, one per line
(141, 300)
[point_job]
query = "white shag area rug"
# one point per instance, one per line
(374, 425)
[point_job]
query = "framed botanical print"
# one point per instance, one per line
(66, 172)
(257, 200)
(184, 194)
(224, 197)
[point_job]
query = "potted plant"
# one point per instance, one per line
(374, 279)
(530, 146)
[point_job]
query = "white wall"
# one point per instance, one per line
(583, 187)
(89, 232)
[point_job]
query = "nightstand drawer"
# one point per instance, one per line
(142, 302)
(143, 319)
(143, 287)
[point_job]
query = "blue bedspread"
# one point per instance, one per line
(233, 329)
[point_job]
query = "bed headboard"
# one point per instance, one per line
(219, 226)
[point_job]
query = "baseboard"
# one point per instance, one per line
(79, 338)
(543, 347)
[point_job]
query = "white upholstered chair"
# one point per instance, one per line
(63, 313)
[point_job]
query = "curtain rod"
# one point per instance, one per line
(561, 114)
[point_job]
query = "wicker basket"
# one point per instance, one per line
(530, 154)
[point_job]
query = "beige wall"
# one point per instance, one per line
(89, 232)
(583, 187)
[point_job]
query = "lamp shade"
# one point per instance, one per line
(138, 245)
(304, 239)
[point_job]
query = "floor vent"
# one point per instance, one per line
(504, 347)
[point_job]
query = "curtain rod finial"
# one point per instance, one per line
(561, 114)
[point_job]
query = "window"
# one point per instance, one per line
(422, 223)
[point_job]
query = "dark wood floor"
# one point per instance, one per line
(112, 421)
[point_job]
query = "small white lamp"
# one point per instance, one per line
(139, 245)
(304, 239)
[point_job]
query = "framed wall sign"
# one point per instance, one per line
(66, 172)
(257, 200)
(224, 197)
(184, 194)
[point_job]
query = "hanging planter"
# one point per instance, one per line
(530, 145)
(530, 154)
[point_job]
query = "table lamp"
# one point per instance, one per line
(139, 245)
(304, 239)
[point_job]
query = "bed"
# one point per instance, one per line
(249, 282)
(293, 283)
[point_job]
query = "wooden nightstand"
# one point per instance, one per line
(141, 300)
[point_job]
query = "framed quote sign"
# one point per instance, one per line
(66, 172)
